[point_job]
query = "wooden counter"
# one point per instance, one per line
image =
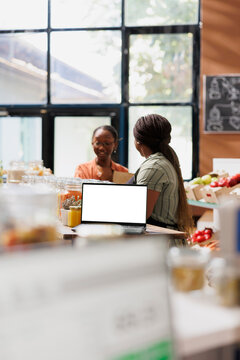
(67, 232)
(152, 229)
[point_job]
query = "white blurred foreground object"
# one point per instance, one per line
(103, 302)
(27, 214)
(229, 219)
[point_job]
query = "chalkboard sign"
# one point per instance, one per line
(222, 104)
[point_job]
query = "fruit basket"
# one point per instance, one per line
(211, 187)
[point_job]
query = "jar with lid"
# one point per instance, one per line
(35, 167)
(27, 214)
(16, 171)
(71, 188)
(69, 194)
(187, 268)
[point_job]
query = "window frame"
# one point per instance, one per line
(117, 111)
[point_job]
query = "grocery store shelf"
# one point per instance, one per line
(204, 204)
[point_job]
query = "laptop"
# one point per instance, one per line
(121, 204)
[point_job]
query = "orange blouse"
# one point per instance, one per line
(89, 170)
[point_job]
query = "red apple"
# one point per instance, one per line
(232, 182)
(237, 177)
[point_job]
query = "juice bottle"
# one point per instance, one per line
(74, 216)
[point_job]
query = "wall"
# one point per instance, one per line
(220, 54)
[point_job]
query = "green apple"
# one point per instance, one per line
(197, 180)
(207, 179)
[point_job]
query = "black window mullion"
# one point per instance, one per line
(162, 29)
(48, 55)
(48, 140)
(123, 128)
(195, 100)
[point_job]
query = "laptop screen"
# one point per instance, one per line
(114, 203)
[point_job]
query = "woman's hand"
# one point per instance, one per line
(152, 197)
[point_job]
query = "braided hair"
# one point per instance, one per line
(154, 131)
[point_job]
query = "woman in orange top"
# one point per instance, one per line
(104, 142)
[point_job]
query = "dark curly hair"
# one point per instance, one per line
(109, 128)
(154, 131)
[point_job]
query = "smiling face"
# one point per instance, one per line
(103, 144)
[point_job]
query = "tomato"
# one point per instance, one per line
(198, 232)
(223, 182)
(214, 184)
(207, 237)
(208, 231)
(200, 238)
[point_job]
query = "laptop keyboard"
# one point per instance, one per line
(130, 229)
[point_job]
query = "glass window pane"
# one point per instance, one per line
(73, 142)
(23, 68)
(25, 135)
(164, 12)
(160, 68)
(180, 118)
(82, 13)
(86, 67)
(24, 14)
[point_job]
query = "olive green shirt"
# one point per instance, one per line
(159, 174)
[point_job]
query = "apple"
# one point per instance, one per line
(206, 179)
(197, 180)
(238, 178)
(232, 181)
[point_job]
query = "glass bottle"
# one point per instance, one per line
(74, 215)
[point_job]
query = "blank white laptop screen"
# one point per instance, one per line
(113, 203)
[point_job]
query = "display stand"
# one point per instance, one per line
(213, 206)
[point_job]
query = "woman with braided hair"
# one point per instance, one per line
(167, 204)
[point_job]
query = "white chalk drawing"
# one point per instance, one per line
(222, 103)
